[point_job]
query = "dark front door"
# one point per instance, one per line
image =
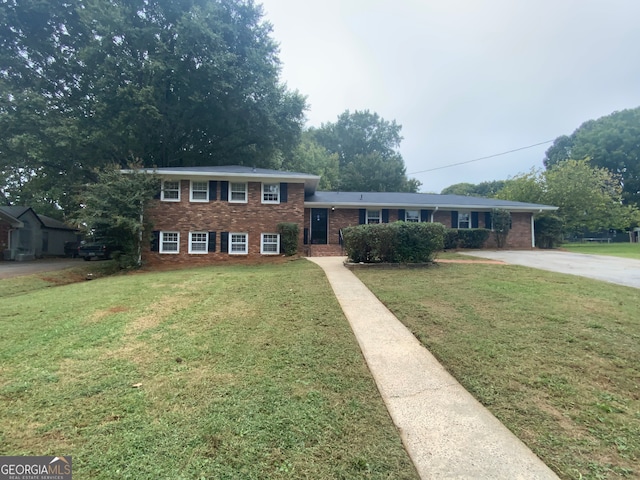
(319, 226)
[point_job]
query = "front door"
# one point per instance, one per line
(319, 226)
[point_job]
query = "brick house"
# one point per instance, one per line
(209, 214)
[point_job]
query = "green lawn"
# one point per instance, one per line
(626, 250)
(228, 372)
(555, 357)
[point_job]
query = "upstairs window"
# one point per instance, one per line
(411, 216)
(238, 192)
(171, 191)
(373, 216)
(270, 193)
(199, 191)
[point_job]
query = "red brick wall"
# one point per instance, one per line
(519, 236)
(253, 218)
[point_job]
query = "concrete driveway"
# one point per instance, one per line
(15, 269)
(623, 271)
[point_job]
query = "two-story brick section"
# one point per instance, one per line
(212, 214)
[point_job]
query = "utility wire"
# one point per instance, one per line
(481, 158)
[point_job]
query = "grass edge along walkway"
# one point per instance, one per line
(447, 433)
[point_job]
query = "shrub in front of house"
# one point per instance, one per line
(465, 238)
(398, 242)
(288, 238)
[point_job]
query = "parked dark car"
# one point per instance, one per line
(100, 250)
(71, 249)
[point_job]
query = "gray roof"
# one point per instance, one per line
(429, 201)
(240, 172)
(54, 224)
(16, 212)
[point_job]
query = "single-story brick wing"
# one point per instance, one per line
(208, 214)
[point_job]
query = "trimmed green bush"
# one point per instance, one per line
(288, 238)
(548, 230)
(465, 238)
(501, 221)
(398, 242)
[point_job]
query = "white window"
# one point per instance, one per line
(270, 193)
(373, 216)
(238, 243)
(411, 216)
(171, 191)
(464, 220)
(198, 242)
(270, 244)
(238, 192)
(199, 191)
(169, 242)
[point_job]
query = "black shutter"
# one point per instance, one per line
(224, 242)
(474, 219)
(155, 241)
(385, 215)
(362, 216)
(212, 242)
(224, 191)
(283, 192)
(454, 219)
(401, 214)
(213, 190)
(425, 215)
(306, 236)
(158, 193)
(487, 220)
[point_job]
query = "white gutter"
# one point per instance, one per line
(433, 213)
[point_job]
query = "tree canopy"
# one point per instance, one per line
(482, 189)
(611, 142)
(589, 198)
(169, 83)
(367, 147)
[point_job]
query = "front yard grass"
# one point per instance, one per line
(555, 357)
(625, 250)
(231, 372)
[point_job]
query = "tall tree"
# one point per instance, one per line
(311, 157)
(589, 198)
(172, 83)
(482, 189)
(610, 142)
(367, 147)
(114, 208)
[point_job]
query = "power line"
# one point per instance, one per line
(481, 158)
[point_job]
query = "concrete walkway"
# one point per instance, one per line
(446, 432)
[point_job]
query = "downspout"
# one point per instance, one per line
(533, 230)
(433, 213)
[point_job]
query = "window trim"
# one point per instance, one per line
(417, 218)
(379, 217)
(468, 215)
(246, 192)
(163, 198)
(162, 242)
(262, 244)
(206, 191)
(262, 193)
(206, 243)
(231, 243)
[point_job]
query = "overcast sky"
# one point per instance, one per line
(464, 78)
